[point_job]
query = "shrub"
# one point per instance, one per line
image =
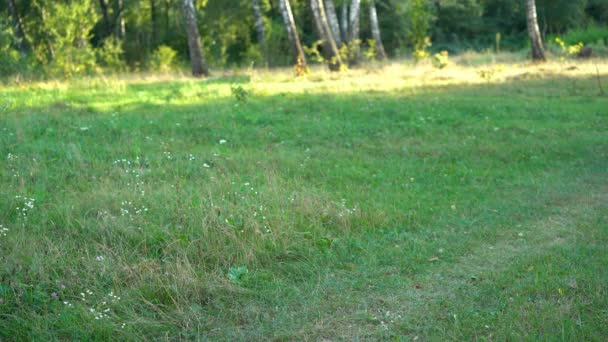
(163, 59)
(441, 59)
(69, 28)
(110, 55)
(8, 55)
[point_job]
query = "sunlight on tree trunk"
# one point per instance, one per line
(329, 44)
(355, 6)
(260, 29)
(292, 32)
(120, 19)
(332, 18)
(199, 67)
(259, 22)
(535, 39)
(373, 18)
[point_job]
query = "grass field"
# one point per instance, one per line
(391, 203)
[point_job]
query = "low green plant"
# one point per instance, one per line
(163, 59)
(110, 55)
(239, 93)
(421, 49)
(441, 59)
(568, 50)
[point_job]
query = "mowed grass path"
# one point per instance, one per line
(400, 203)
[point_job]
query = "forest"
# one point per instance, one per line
(66, 38)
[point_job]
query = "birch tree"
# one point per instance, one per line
(533, 31)
(329, 44)
(292, 33)
(259, 22)
(332, 18)
(197, 60)
(355, 7)
(373, 18)
(344, 22)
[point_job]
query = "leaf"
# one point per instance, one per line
(236, 275)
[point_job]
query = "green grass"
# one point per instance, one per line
(384, 204)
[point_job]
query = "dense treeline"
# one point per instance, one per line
(68, 37)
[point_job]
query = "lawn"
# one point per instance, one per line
(388, 203)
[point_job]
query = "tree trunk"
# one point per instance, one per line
(17, 26)
(329, 44)
(106, 18)
(373, 18)
(292, 32)
(154, 22)
(197, 60)
(259, 22)
(120, 19)
(535, 39)
(344, 22)
(355, 6)
(353, 36)
(332, 18)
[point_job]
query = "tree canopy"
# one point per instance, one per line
(80, 36)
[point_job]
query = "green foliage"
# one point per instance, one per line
(9, 56)
(312, 52)
(351, 52)
(237, 274)
(163, 59)
(568, 50)
(111, 54)
(591, 34)
(69, 27)
(421, 51)
(419, 17)
(371, 51)
(441, 60)
(239, 93)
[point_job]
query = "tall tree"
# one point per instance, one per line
(373, 18)
(535, 39)
(355, 7)
(344, 22)
(197, 60)
(106, 17)
(154, 22)
(259, 22)
(332, 54)
(17, 26)
(332, 18)
(120, 19)
(292, 32)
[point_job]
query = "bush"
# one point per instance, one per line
(441, 59)
(110, 55)
(8, 55)
(163, 59)
(592, 34)
(69, 28)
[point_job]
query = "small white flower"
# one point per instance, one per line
(222, 141)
